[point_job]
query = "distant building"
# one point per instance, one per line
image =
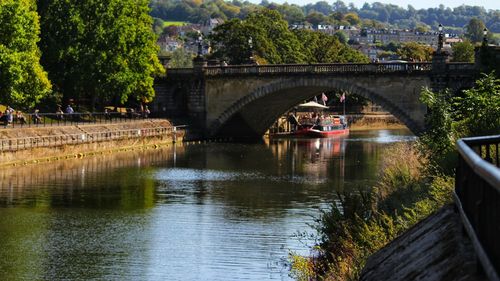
(385, 36)
(210, 24)
(370, 51)
(306, 26)
(451, 39)
(168, 44)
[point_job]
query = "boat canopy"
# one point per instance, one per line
(312, 104)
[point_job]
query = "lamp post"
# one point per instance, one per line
(250, 45)
(440, 38)
(200, 46)
(485, 37)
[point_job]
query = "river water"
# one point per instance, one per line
(191, 212)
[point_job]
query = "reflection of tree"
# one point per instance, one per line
(107, 181)
(21, 256)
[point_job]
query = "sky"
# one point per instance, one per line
(419, 4)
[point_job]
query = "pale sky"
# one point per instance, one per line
(420, 4)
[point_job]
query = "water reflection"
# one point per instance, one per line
(199, 212)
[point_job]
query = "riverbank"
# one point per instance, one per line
(436, 248)
(43, 144)
(361, 222)
(374, 121)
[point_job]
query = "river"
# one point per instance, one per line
(212, 211)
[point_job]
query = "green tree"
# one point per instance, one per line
(231, 42)
(463, 52)
(316, 18)
(415, 51)
(100, 52)
(477, 112)
(272, 41)
(474, 30)
(180, 59)
(23, 82)
(352, 18)
(341, 36)
(158, 25)
(323, 48)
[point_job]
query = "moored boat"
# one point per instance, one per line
(327, 127)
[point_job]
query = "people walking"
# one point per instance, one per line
(36, 117)
(69, 109)
(20, 117)
(59, 113)
(9, 116)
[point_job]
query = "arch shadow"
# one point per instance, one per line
(285, 94)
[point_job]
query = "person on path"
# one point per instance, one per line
(9, 117)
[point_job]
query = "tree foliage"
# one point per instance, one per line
(271, 39)
(275, 43)
(335, 13)
(463, 52)
(99, 52)
(23, 82)
(473, 113)
(179, 58)
(477, 111)
(474, 30)
(415, 51)
(323, 48)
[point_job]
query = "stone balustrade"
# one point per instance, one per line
(332, 68)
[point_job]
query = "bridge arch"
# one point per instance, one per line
(252, 114)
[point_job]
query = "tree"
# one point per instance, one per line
(341, 36)
(316, 18)
(323, 48)
(474, 30)
(477, 111)
(23, 82)
(100, 52)
(352, 18)
(463, 52)
(414, 51)
(180, 59)
(271, 39)
(158, 25)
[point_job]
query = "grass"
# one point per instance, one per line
(175, 23)
(362, 222)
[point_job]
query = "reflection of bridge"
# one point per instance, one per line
(243, 101)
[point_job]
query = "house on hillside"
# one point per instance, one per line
(210, 24)
(168, 44)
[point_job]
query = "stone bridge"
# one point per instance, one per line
(244, 101)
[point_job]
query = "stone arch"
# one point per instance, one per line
(312, 85)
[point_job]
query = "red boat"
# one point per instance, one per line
(321, 131)
(317, 128)
(329, 126)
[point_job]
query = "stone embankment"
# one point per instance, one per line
(35, 144)
(374, 121)
(435, 249)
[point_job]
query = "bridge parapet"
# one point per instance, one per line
(335, 68)
(477, 196)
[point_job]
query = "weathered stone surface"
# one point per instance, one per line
(434, 249)
(247, 103)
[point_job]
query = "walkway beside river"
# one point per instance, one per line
(21, 144)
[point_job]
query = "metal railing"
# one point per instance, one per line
(54, 119)
(16, 144)
(477, 196)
